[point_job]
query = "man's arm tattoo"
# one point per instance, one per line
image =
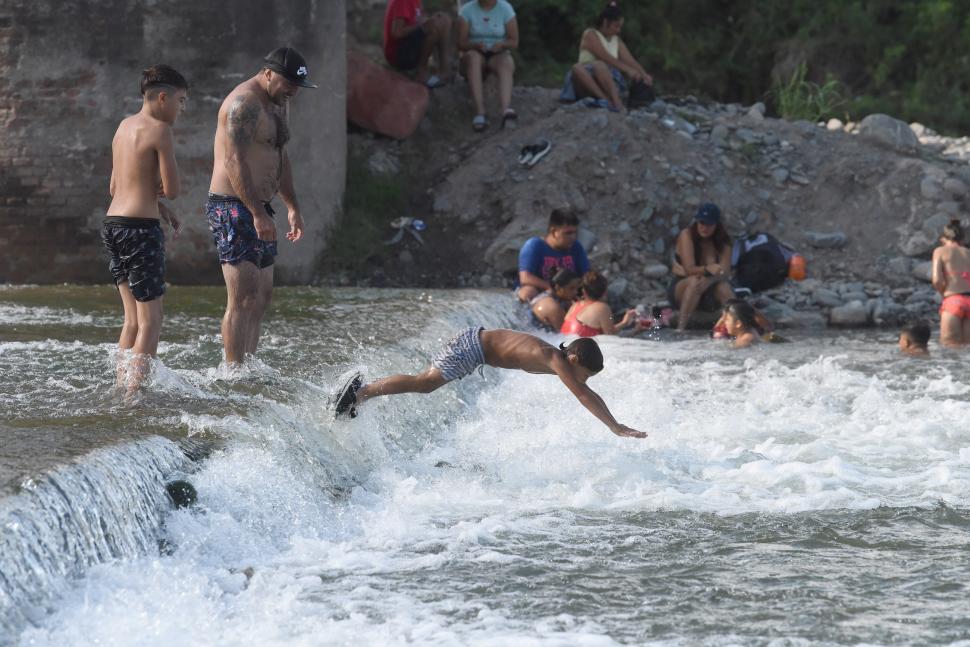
(242, 120)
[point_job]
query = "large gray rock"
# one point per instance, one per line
(918, 244)
(855, 313)
(827, 298)
(933, 226)
(503, 253)
(923, 271)
(826, 240)
(955, 187)
(929, 188)
(890, 132)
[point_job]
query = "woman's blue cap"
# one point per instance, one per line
(708, 214)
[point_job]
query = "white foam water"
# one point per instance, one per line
(790, 494)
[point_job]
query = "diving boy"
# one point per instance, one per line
(475, 347)
(143, 171)
(914, 339)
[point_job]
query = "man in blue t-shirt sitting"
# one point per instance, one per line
(540, 258)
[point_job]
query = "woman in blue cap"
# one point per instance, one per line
(702, 266)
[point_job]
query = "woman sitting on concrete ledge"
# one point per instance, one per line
(702, 265)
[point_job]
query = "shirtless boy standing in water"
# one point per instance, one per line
(143, 171)
(474, 347)
(251, 167)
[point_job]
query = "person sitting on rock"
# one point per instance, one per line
(410, 38)
(549, 307)
(604, 61)
(741, 322)
(914, 339)
(487, 34)
(702, 266)
(591, 315)
(540, 258)
(951, 278)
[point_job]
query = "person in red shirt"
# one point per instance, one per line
(410, 39)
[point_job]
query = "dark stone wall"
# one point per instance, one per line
(69, 72)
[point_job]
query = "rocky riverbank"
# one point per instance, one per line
(864, 203)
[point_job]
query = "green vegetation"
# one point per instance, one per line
(371, 201)
(801, 99)
(806, 58)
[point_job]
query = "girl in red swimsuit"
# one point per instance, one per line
(597, 318)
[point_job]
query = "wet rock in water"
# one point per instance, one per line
(182, 493)
(923, 271)
(826, 240)
(827, 298)
(890, 132)
(855, 313)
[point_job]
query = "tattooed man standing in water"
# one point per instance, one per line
(251, 167)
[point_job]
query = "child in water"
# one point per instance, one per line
(475, 347)
(914, 339)
(741, 323)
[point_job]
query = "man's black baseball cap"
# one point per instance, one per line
(287, 62)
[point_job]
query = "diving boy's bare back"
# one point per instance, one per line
(508, 349)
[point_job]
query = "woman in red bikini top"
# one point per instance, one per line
(951, 278)
(591, 316)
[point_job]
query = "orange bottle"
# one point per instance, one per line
(796, 268)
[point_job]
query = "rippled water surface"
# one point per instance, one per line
(805, 493)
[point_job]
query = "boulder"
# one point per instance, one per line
(503, 253)
(933, 226)
(923, 271)
(827, 298)
(383, 101)
(955, 187)
(655, 270)
(889, 132)
(929, 188)
(918, 244)
(855, 313)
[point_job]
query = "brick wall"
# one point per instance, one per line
(69, 72)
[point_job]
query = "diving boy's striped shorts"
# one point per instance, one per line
(462, 355)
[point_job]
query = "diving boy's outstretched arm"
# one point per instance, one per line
(594, 403)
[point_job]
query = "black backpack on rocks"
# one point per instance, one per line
(641, 95)
(760, 261)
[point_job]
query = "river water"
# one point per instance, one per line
(806, 493)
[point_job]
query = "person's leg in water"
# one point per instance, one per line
(952, 330)
(426, 381)
(242, 288)
(473, 68)
(146, 341)
(688, 294)
(503, 65)
(264, 294)
(129, 332)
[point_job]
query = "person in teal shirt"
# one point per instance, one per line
(487, 34)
